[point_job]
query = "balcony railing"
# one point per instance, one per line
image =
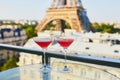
(78, 71)
(73, 57)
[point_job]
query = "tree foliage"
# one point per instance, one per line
(105, 28)
(49, 26)
(30, 30)
(52, 25)
(67, 26)
(10, 63)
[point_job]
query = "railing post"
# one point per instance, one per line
(43, 59)
(47, 60)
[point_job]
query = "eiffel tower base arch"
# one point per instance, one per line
(69, 15)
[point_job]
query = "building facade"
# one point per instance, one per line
(13, 35)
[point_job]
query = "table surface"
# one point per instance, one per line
(78, 72)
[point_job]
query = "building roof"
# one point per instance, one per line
(100, 45)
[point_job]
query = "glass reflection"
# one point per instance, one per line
(79, 72)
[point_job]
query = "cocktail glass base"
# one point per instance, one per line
(45, 69)
(65, 70)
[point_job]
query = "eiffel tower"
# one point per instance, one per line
(70, 11)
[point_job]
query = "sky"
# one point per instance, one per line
(97, 10)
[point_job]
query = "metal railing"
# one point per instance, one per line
(73, 57)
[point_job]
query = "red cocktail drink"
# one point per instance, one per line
(65, 43)
(43, 42)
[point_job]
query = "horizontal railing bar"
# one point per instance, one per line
(74, 57)
(88, 59)
(20, 49)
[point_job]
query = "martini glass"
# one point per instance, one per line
(43, 42)
(65, 42)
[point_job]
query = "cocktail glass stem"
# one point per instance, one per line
(66, 69)
(65, 53)
(44, 58)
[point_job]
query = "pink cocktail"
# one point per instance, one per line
(43, 43)
(65, 43)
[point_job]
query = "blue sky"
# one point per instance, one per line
(97, 10)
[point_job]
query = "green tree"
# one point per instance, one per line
(49, 26)
(96, 26)
(10, 63)
(67, 26)
(105, 28)
(52, 25)
(30, 30)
